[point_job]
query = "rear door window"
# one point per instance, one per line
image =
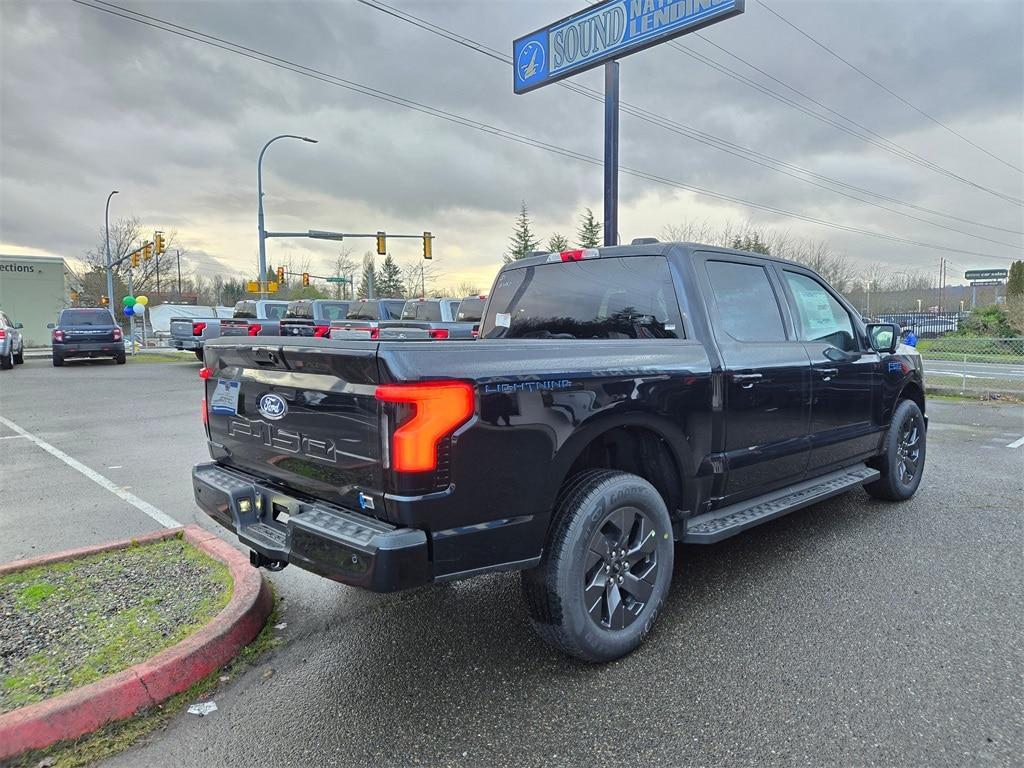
(747, 306)
(615, 298)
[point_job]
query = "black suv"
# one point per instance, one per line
(87, 332)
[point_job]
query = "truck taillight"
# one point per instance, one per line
(438, 409)
(198, 328)
(3, 333)
(206, 415)
(117, 334)
(438, 333)
(321, 331)
(58, 336)
(255, 329)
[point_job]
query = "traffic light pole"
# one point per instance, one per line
(110, 268)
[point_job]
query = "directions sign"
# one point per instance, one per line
(606, 31)
(986, 274)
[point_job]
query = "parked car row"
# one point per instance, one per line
(12, 345)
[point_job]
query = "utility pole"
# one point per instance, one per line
(110, 270)
(178, 252)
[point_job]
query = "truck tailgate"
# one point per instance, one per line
(304, 416)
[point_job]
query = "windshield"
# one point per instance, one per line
(471, 310)
(86, 317)
(616, 298)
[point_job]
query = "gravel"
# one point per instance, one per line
(65, 625)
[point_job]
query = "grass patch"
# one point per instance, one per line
(142, 358)
(118, 737)
(68, 624)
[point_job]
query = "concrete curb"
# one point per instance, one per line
(86, 709)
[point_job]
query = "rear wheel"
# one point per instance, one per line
(120, 359)
(902, 464)
(606, 569)
(58, 361)
(19, 358)
(7, 361)
(199, 355)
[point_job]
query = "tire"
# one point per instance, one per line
(120, 359)
(199, 355)
(7, 362)
(58, 361)
(591, 511)
(902, 463)
(19, 359)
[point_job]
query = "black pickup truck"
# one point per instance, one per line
(619, 400)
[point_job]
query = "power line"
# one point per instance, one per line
(736, 150)
(881, 85)
(256, 55)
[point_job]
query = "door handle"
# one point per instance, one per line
(828, 373)
(746, 380)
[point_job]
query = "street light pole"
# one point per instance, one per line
(259, 188)
(110, 274)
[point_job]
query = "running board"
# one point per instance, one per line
(728, 521)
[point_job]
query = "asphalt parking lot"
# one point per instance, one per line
(855, 632)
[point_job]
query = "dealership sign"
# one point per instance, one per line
(986, 274)
(605, 31)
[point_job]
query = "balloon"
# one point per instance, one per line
(128, 311)
(143, 300)
(139, 309)
(128, 301)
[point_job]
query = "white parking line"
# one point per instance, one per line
(12, 437)
(1016, 443)
(143, 506)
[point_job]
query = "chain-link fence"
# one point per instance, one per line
(974, 365)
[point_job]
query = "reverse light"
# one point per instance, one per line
(438, 409)
(255, 329)
(438, 333)
(321, 331)
(198, 328)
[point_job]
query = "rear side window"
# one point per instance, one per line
(428, 311)
(617, 298)
(822, 318)
(85, 317)
(747, 307)
(471, 310)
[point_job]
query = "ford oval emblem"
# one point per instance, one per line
(272, 406)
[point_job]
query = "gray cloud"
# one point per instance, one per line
(91, 102)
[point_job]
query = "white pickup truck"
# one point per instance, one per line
(251, 317)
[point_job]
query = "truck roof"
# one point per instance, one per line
(651, 249)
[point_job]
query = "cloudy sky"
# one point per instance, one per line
(91, 102)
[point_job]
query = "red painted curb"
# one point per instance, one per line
(155, 680)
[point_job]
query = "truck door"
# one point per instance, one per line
(766, 377)
(843, 372)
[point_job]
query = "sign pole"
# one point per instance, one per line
(611, 153)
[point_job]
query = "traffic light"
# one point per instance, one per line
(428, 239)
(305, 278)
(280, 275)
(382, 243)
(158, 242)
(147, 251)
(135, 258)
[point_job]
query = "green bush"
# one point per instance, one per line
(986, 321)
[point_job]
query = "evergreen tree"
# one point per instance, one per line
(368, 277)
(389, 280)
(1015, 280)
(558, 243)
(752, 243)
(588, 235)
(522, 242)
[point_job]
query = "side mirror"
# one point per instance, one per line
(51, 326)
(883, 337)
(18, 326)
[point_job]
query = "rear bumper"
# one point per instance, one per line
(336, 543)
(88, 349)
(186, 344)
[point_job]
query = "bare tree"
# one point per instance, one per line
(344, 265)
(126, 236)
(421, 278)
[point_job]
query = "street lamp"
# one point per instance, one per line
(262, 276)
(110, 275)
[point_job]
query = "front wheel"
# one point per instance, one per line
(902, 463)
(606, 569)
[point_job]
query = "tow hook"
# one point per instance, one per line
(256, 560)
